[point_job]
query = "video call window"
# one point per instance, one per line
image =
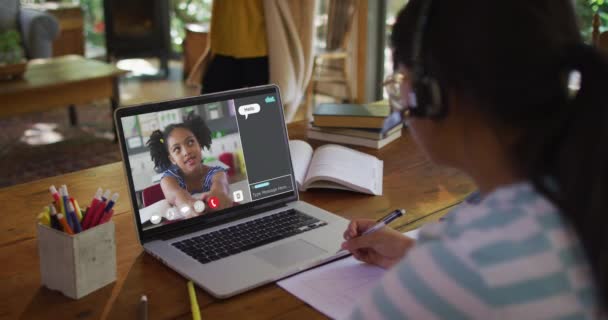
(193, 143)
(197, 160)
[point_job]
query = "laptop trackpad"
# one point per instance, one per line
(289, 253)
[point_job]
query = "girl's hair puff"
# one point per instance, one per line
(158, 139)
(158, 151)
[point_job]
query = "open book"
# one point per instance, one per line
(335, 167)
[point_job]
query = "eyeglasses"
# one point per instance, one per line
(392, 85)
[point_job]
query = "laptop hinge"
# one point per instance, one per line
(209, 224)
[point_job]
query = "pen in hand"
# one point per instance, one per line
(385, 221)
(382, 223)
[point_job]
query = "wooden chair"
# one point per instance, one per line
(599, 39)
(330, 63)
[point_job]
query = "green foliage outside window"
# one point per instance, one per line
(184, 12)
(585, 10)
(10, 47)
(93, 22)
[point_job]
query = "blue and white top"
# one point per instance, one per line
(511, 256)
(176, 173)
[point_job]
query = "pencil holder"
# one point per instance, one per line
(79, 264)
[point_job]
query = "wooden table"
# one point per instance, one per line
(60, 82)
(410, 181)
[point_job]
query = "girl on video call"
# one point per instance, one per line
(178, 152)
(533, 244)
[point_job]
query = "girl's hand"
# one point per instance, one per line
(220, 190)
(191, 204)
(383, 248)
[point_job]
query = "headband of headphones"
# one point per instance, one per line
(426, 98)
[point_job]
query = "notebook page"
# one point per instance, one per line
(301, 153)
(334, 288)
(347, 166)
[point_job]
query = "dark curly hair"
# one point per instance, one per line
(158, 139)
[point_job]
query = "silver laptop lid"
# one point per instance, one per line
(241, 133)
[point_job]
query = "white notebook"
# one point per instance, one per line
(335, 288)
(335, 167)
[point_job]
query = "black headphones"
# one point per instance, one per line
(427, 98)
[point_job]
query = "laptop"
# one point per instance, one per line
(263, 232)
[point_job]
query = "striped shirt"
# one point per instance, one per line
(176, 173)
(511, 256)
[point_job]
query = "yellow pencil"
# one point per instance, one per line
(196, 312)
(77, 207)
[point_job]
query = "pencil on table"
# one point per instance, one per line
(143, 308)
(196, 312)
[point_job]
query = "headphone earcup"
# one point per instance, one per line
(428, 99)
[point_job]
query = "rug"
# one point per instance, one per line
(40, 145)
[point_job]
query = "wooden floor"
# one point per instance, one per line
(136, 90)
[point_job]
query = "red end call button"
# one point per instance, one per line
(213, 202)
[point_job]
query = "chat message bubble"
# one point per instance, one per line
(248, 109)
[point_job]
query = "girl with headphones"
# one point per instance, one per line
(491, 89)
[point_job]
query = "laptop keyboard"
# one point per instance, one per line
(246, 236)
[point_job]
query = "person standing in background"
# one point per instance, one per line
(239, 52)
(253, 32)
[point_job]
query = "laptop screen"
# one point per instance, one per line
(204, 157)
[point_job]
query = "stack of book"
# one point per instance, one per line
(369, 125)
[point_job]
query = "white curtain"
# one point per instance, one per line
(290, 36)
(290, 33)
